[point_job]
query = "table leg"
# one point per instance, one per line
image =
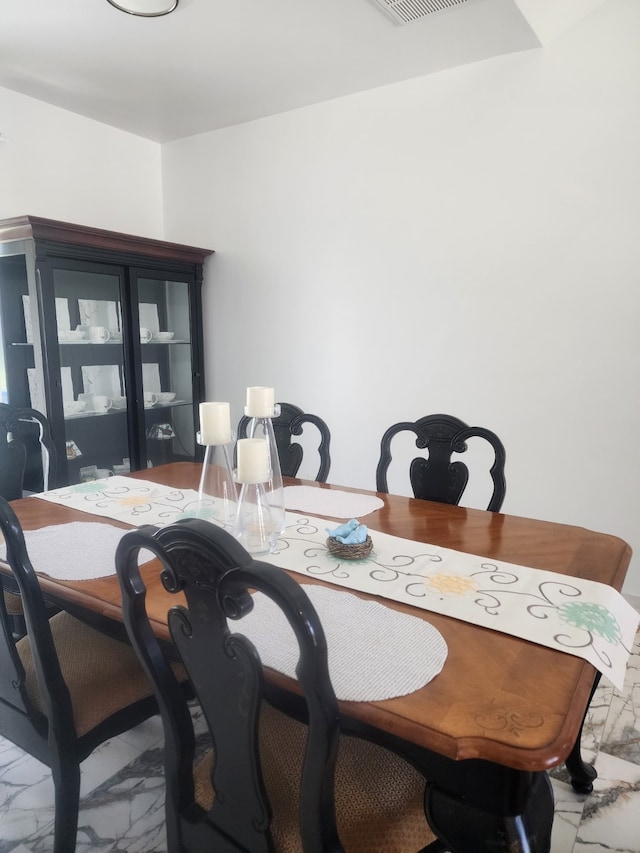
(465, 828)
(582, 774)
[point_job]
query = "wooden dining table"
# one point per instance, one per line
(502, 711)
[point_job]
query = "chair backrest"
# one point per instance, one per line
(438, 478)
(27, 453)
(215, 573)
(20, 721)
(289, 423)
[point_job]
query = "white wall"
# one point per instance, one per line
(465, 242)
(57, 164)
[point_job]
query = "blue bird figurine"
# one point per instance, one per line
(343, 529)
(357, 536)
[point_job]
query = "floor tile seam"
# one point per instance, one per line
(141, 749)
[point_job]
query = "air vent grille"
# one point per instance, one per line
(406, 11)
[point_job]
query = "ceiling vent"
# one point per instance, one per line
(406, 11)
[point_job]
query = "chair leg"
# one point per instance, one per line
(18, 625)
(66, 779)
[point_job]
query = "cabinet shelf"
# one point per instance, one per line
(122, 411)
(111, 343)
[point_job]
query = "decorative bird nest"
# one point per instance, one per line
(349, 552)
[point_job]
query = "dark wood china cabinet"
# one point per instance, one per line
(102, 332)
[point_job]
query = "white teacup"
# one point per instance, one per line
(145, 335)
(99, 335)
(102, 403)
(150, 399)
(119, 402)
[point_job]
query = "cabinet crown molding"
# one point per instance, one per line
(38, 228)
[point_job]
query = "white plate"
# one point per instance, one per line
(102, 379)
(27, 321)
(151, 377)
(99, 312)
(36, 391)
(62, 314)
(149, 316)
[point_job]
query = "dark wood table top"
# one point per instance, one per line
(498, 697)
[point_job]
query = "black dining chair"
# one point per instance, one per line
(439, 477)
(267, 782)
(65, 688)
(290, 423)
(28, 459)
(28, 463)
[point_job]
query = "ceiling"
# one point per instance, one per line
(215, 63)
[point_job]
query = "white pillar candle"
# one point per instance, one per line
(215, 423)
(260, 402)
(253, 460)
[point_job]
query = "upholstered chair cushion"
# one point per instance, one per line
(379, 796)
(13, 603)
(89, 660)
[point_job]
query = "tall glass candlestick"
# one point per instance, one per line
(254, 524)
(262, 409)
(217, 493)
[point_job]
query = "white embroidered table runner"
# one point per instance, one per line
(581, 617)
(131, 501)
(142, 502)
(573, 615)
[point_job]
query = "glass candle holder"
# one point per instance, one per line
(255, 527)
(261, 409)
(217, 493)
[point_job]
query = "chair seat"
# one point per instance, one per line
(379, 796)
(13, 603)
(88, 660)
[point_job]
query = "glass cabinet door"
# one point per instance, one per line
(90, 349)
(164, 311)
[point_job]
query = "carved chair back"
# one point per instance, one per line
(27, 454)
(215, 574)
(438, 478)
(18, 710)
(290, 423)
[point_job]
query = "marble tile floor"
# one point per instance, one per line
(122, 793)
